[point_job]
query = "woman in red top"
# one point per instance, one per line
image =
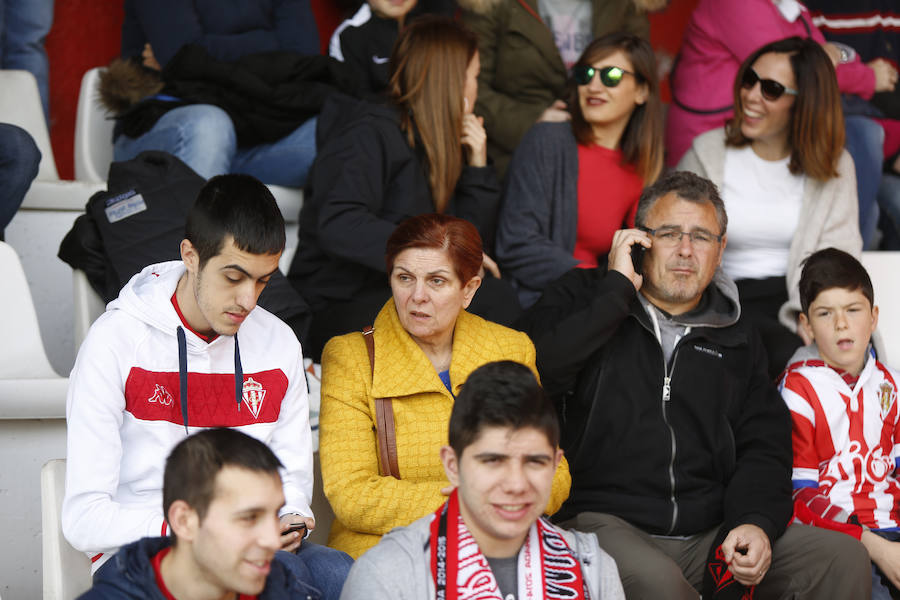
(571, 185)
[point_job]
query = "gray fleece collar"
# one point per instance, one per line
(719, 306)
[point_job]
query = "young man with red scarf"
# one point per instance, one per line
(489, 540)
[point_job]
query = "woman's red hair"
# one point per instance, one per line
(457, 237)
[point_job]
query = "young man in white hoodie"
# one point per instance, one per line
(166, 360)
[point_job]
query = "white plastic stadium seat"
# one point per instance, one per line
(16, 108)
(25, 372)
(93, 132)
(49, 208)
(883, 268)
(88, 305)
(67, 572)
(20, 105)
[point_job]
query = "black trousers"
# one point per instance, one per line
(760, 300)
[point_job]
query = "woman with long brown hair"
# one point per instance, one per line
(788, 184)
(423, 152)
(571, 185)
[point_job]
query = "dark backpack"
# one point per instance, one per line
(140, 221)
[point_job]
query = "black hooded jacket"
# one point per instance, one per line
(677, 448)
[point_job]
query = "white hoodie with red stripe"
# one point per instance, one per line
(124, 412)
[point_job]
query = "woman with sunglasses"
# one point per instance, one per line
(717, 39)
(527, 49)
(789, 186)
(571, 185)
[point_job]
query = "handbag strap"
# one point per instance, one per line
(384, 418)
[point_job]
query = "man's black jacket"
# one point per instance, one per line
(716, 452)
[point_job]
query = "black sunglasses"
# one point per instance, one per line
(609, 76)
(771, 89)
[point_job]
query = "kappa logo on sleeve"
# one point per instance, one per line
(161, 396)
(253, 394)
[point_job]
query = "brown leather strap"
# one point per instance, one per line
(384, 419)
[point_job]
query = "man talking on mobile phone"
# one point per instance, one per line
(678, 443)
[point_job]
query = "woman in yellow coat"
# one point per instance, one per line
(425, 346)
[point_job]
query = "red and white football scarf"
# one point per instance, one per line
(547, 567)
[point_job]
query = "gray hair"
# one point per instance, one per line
(687, 186)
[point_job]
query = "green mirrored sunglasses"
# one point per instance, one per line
(609, 76)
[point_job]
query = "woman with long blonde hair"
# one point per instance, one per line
(423, 152)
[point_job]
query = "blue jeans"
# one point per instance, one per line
(321, 567)
(23, 26)
(203, 137)
(19, 160)
(865, 139)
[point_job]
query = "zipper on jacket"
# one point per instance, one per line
(668, 372)
(666, 396)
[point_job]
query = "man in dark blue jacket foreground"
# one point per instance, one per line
(221, 497)
(678, 443)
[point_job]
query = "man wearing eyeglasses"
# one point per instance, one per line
(678, 443)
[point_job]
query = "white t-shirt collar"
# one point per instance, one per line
(789, 9)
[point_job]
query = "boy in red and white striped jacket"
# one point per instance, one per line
(846, 424)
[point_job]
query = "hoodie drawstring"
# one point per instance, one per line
(238, 374)
(183, 375)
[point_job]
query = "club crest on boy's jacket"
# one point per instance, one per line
(886, 398)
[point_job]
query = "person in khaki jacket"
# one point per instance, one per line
(526, 49)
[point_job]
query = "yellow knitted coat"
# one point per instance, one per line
(367, 505)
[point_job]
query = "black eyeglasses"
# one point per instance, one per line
(609, 76)
(771, 89)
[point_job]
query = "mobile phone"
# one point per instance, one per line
(301, 527)
(637, 257)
